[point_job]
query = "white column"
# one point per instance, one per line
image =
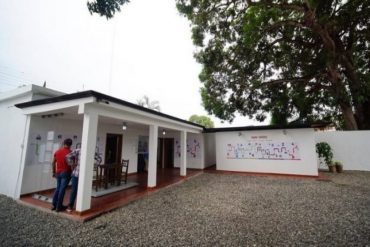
(183, 153)
(88, 143)
(153, 146)
(24, 145)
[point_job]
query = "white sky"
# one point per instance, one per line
(146, 49)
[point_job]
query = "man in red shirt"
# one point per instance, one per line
(62, 172)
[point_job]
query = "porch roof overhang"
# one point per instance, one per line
(270, 127)
(108, 106)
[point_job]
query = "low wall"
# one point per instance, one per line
(290, 151)
(352, 148)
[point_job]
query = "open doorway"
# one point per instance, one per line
(165, 157)
(142, 154)
(113, 149)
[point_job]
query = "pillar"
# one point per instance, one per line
(153, 146)
(183, 137)
(88, 143)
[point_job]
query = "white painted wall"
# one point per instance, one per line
(195, 151)
(303, 137)
(209, 149)
(38, 171)
(349, 147)
(12, 131)
(14, 134)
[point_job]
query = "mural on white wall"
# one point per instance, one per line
(262, 148)
(192, 148)
(177, 148)
(44, 144)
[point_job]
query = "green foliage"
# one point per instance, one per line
(105, 8)
(202, 120)
(338, 163)
(292, 59)
(323, 149)
(313, 54)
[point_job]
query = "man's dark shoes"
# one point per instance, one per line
(53, 208)
(63, 208)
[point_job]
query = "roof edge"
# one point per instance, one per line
(268, 127)
(99, 97)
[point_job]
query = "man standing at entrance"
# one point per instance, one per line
(62, 172)
(73, 159)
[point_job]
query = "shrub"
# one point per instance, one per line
(323, 149)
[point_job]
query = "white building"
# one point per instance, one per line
(36, 120)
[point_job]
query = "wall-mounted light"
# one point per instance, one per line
(53, 115)
(60, 136)
(240, 134)
(124, 126)
(75, 137)
(38, 137)
(164, 132)
(284, 132)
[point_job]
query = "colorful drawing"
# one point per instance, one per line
(193, 148)
(264, 149)
(177, 148)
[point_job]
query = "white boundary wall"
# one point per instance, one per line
(304, 138)
(352, 148)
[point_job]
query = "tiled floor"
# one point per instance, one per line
(112, 201)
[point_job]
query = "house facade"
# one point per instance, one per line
(36, 120)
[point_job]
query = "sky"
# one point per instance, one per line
(146, 49)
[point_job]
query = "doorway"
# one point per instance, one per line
(165, 157)
(113, 149)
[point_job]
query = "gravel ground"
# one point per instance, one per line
(213, 210)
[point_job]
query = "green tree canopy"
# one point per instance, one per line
(105, 8)
(298, 59)
(202, 120)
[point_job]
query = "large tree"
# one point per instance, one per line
(296, 59)
(308, 59)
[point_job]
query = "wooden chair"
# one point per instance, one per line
(124, 173)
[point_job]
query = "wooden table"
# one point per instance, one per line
(108, 174)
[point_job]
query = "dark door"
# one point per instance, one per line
(113, 149)
(169, 152)
(165, 153)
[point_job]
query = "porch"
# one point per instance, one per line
(109, 202)
(114, 129)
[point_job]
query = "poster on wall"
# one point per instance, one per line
(263, 148)
(192, 148)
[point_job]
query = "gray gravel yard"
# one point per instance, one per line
(213, 210)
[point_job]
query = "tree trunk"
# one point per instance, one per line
(342, 98)
(361, 108)
(348, 117)
(339, 91)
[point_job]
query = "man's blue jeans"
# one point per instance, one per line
(62, 183)
(72, 198)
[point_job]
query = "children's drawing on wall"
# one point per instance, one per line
(177, 148)
(193, 148)
(264, 149)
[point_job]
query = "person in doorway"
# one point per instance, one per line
(62, 173)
